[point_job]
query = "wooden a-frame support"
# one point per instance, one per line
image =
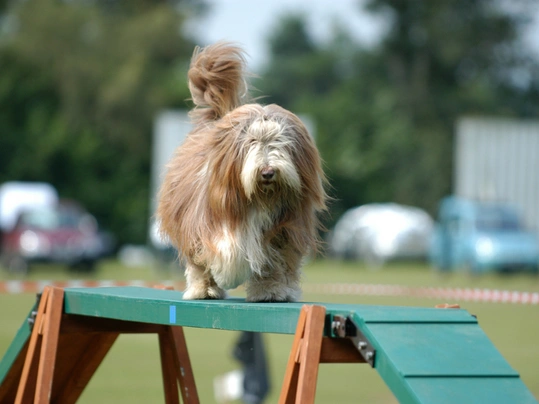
(309, 349)
(64, 351)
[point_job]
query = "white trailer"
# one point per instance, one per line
(16, 196)
(498, 160)
(170, 130)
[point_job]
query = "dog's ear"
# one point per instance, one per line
(216, 80)
(310, 169)
(226, 198)
(305, 156)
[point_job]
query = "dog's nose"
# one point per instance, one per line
(268, 173)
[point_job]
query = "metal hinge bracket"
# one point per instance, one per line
(344, 327)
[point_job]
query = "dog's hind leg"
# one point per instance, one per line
(201, 285)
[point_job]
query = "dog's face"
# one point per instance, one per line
(268, 163)
(265, 155)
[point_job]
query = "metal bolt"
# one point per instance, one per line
(337, 326)
(32, 318)
(362, 345)
(369, 355)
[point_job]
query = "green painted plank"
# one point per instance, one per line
(166, 307)
(16, 346)
(156, 306)
(401, 314)
(413, 358)
(471, 390)
(438, 350)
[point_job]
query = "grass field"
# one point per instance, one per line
(131, 371)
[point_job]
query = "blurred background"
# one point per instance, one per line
(426, 115)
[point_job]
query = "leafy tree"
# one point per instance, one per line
(81, 83)
(445, 59)
(385, 116)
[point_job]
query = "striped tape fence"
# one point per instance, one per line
(15, 287)
(357, 289)
(447, 294)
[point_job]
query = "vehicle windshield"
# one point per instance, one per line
(49, 219)
(496, 218)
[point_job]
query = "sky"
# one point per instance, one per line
(249, 23)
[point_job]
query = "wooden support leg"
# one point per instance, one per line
(168, 367)
(51, 332)
(26, 389)
(184, 370)
(290, 383)
(38, 370)
(299, 384)
(176, 365)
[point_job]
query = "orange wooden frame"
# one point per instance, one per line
(64, 351)
(309, 349)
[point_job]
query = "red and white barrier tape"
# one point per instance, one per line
(14, 287)
(446, 294)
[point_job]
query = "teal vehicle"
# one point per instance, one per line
(480, 237)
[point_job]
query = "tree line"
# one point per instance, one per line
(81, 83)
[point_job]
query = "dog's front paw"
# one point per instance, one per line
(273, 296)
(267, 299)
(202, 293)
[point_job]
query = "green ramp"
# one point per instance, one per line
(424, 355)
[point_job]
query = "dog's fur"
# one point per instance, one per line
(241, 195)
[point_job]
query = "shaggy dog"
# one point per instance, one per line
(241, 195)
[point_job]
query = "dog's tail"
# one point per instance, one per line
(216, 80)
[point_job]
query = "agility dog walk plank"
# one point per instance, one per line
(424, 355)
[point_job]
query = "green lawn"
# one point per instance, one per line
(131, 371)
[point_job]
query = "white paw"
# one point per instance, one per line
(201, 293)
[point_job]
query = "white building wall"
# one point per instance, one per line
(498, 159)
